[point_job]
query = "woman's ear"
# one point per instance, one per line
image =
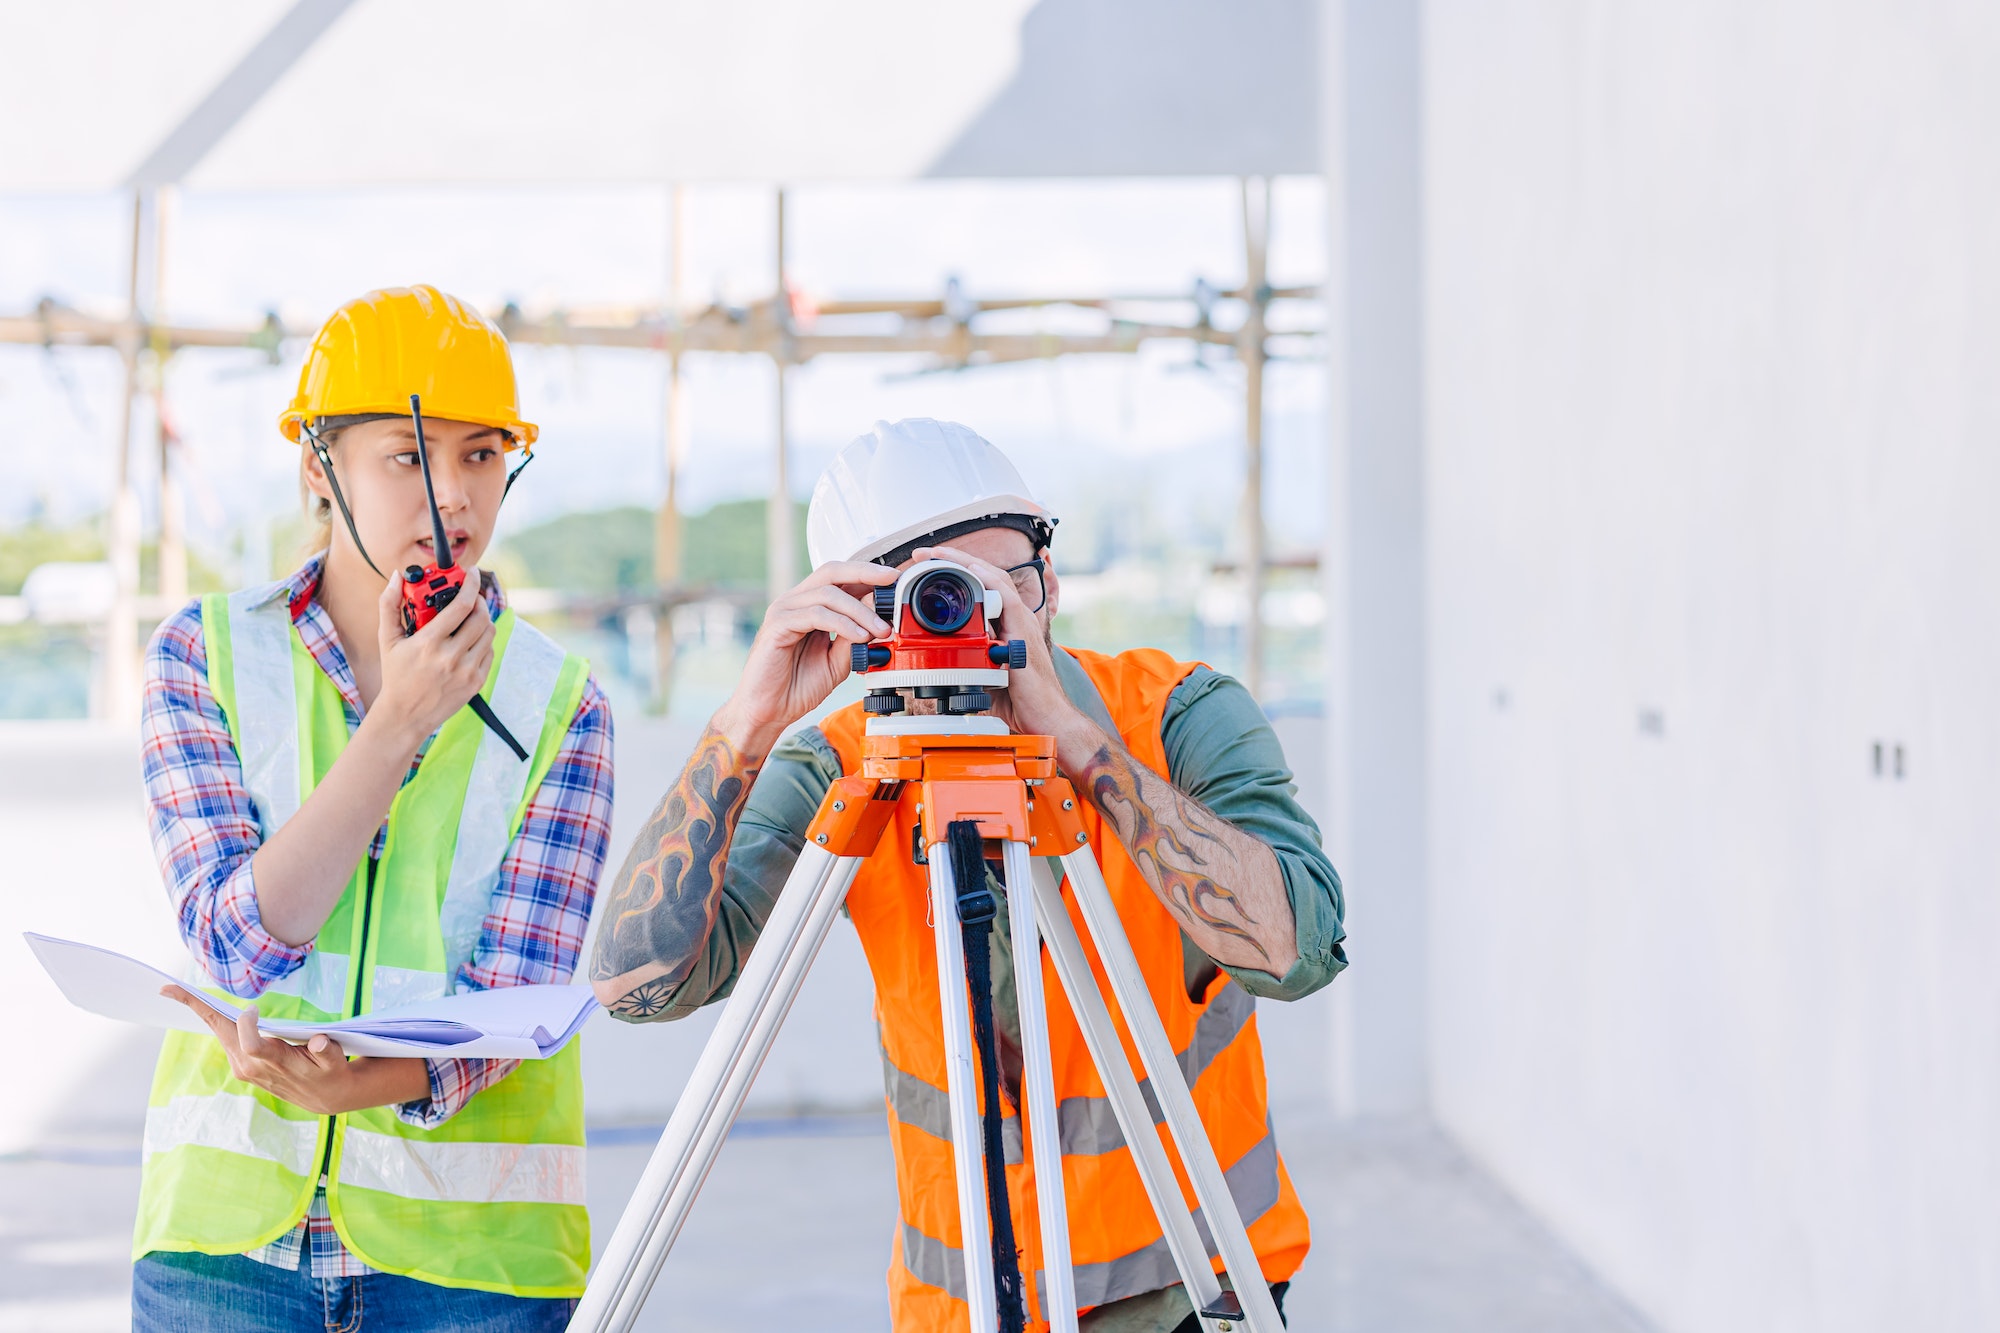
(311, 475)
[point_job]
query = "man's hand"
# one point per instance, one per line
(317, 1076)
(661, 908)
(1033, 703)
(803, 650)
(428, 676)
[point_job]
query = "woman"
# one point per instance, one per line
(339, 833)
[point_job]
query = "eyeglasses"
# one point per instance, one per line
(1028, 582)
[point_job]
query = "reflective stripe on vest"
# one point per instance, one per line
(232, 1123)
(463, 1172)
(921, 1106)
(1253, 1184)
(1088, 1125)
(493, 1199)
(267, 710)
(322, 981)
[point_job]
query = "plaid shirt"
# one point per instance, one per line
(205, 831)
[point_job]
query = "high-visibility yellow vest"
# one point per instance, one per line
(493, 1199)
(1116, 1244)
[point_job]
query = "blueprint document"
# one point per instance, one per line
(512, 1023)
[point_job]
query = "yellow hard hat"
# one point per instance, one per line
(379, 349)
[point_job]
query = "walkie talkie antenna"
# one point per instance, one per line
(441, 545)
(441, 542)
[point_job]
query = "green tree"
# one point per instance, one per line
(37, 542)
(610, 551)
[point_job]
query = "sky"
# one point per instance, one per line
(1092, 435)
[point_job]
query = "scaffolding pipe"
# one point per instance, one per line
(667, 524)
(1250, 347)
(768, 327)
(780, 557)
(119, 700)
(173, 559)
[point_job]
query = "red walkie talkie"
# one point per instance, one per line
(427, 590)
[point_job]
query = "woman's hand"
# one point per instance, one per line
(428, 676)
(803, 650)
(317, 1076)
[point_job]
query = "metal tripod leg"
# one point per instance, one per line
(769, 982)
(1128, 1104)
(1057, 1285)
(1170, 1090)
(962, 1085)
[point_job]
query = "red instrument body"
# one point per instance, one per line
(427, 589)
(914, 648)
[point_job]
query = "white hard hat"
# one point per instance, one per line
(913, 479)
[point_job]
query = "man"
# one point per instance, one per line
(1217, 874)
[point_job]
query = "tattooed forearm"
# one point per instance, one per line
(662, 906)
(1223, 886)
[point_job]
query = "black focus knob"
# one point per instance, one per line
(858, 656)
(885, 601)
(1012, 654)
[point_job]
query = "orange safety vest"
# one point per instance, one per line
(1116, 1246)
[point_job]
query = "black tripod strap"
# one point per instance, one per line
(976, 910)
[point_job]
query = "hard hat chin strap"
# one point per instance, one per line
(339, 500)
(527, 457)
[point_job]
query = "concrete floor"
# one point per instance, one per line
(792, 1233)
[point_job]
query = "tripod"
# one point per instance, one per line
(964, 768)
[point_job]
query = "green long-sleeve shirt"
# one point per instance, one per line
(1220, 750)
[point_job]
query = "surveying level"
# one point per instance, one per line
(976, 783)
(428, 589)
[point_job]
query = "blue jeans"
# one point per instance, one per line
(227, 1293)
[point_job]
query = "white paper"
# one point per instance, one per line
(512, 1023)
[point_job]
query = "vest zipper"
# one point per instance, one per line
(354, 996)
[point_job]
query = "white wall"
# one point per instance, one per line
(1713, 327)
(1373, 561)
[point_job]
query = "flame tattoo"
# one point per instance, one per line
(664, 902)
(1173, 841)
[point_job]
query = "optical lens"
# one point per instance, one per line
(942, 601)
